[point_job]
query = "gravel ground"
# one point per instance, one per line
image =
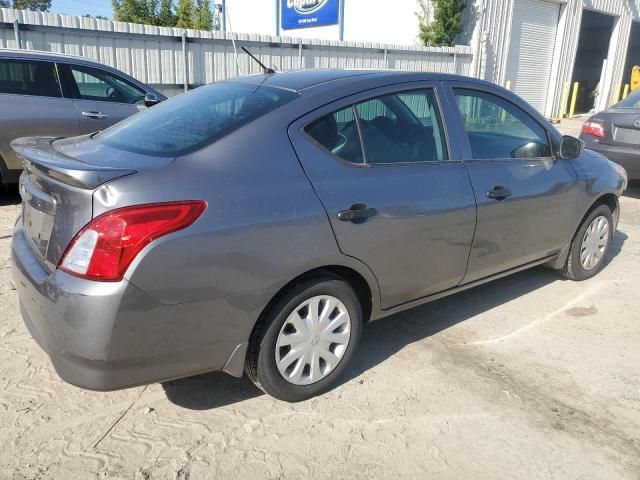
(528, 377)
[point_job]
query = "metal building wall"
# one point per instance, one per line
(492, 34)
(626, 12)
(154, 55)
(491, 40)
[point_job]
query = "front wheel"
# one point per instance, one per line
(306, 340)
(590, 245)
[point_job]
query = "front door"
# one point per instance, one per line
(526, 197)
(102, 98)
(397, 196)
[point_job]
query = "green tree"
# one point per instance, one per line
(5, 4)
(202, 17)
(136, 11)
(37, 5)
(99, 17)
(166, 17)
(442, 28)
(185, 13)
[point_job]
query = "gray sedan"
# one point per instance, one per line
(255, 225)
(43, 93)
(615, 133)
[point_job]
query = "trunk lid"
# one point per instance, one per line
(625, 127)
(57, 186)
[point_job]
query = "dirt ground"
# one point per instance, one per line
(529, 377)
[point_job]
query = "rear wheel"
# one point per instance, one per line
(590, 245)
(306, 340)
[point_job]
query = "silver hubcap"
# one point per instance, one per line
(313, 340)
(594, 243)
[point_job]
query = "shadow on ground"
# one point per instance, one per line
(382, 339)
(633, 190)
(9, 195)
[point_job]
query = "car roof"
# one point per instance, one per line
(41, 55)
(301, 80)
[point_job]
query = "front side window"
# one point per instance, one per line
(397, 128)
(94, 84)
(497, 129)
(193, 120)
(29, 78)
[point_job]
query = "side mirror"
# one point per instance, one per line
(570, 147)
(151, 99)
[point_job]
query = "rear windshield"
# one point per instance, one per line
(632, 101)
(192, 120)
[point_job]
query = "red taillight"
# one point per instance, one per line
(595, 128)
(104, 248)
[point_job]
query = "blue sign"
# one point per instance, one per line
(308, 13)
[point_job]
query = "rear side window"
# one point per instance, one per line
(402, 128)
(338, 133)
(399, 128)
(29, 78)
(94, 84)
(193, 120)
(632, 101)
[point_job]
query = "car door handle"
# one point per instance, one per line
(95, 115)
(358, 211)
(499, 193)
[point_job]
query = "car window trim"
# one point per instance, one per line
(76, 89)
(392, 89)
(453, 86)
(38, 60)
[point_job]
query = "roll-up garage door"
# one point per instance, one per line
(533, 38)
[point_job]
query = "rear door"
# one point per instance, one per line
(396, 193)
(31, 103)
(101, 98)
(526, 196)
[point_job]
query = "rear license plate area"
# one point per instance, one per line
(38, 211)
(628, 136)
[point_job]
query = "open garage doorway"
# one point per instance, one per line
(593, 48)
(633, 53)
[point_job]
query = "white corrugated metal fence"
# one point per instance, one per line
(154, 55)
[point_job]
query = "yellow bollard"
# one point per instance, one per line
(508, 85)
(574, 99)
(625, 93)
(635, 78)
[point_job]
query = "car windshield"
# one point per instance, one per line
(193, 120)
(632, 101)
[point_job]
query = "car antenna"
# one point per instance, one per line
(265, 69)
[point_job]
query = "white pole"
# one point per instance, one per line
(185, 70)
(233, 41)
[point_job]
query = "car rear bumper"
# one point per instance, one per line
(111, 335)
(627, 157)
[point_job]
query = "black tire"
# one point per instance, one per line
(260, 364)
(573, 268)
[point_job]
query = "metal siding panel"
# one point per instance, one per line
(533, 38)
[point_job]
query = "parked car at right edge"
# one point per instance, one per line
(615, 133)
(43, 93)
